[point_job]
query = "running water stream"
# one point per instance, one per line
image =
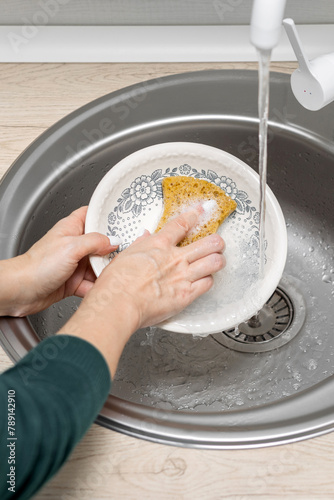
(263, 106)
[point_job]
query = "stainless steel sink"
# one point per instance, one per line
(220, 391)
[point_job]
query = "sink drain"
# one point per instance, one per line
(278, 322)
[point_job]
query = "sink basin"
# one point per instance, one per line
(225, 390)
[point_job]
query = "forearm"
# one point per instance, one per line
(59, 387)
(13, 280)
(107, 321)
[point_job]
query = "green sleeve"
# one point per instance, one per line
(60, 387)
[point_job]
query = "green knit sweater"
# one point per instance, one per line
(48, 399)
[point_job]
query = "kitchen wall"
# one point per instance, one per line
(154, 12)
(150, 30)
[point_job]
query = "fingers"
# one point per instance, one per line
(175, 230)
(84, 287)
(80, 212)
(200, 287)
(206, 266)
(89, 274)
(203, 247)
(91, 243)
(74, 223)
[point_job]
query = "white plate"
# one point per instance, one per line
(129, 197)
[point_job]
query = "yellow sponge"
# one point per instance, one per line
(181, 192)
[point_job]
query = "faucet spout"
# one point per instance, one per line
(266, 23)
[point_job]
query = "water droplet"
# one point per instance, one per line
(326, 278)
(312, 364)
(311, 249)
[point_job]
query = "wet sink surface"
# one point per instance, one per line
(177, 388)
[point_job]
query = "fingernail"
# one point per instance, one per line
(209, 206)
(115, 240)
(191, 208)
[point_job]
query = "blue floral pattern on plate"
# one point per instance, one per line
(145, 193)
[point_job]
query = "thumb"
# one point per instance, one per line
(92, 243)
(176, 229)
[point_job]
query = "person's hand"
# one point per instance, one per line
(55, 267)
(158, 278)
(150, 281)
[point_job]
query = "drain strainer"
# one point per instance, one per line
(276, 323)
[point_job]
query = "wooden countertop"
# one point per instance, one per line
(106, 464)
